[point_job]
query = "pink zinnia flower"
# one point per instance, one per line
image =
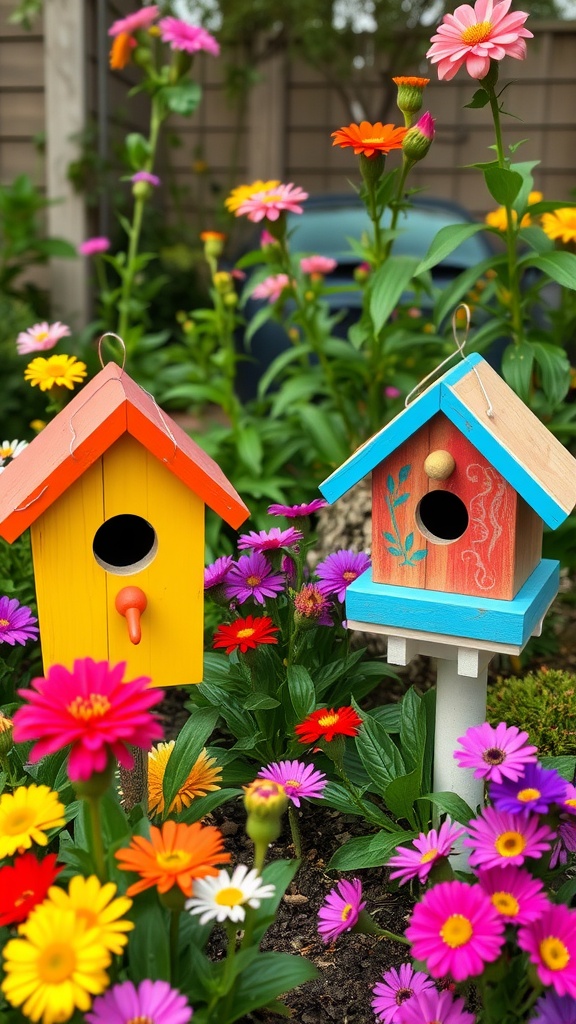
(271, 287)
(317, 264)
(252, 576)
(551, 944)
(456, 930)
(270, 203)
(297, 511)
(141, 19)
(93, 710)
(310, 603)
(149, 1001)
(340, 910)
(419, 862)
(495, 753)
(396, 987)
(433, 1007)
(270, 540)
(41, 337)
(217, 571)
(517, 896)
(93, 246)
(190, 38)
(17, 624)
(150, 179)
(498, 838)
(476, 35)
(339, 570)
(300, 780)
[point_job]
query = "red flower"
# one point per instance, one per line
(23, 885)
(325, 724)
(245, 633)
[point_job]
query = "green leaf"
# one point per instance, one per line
(301, 690)
(503, 184)
(322, 431)
(453, 293)
(517, 364)
(378, 753)
(401, 795)
(137, 150)
(278, 873)
(412, 729)
(560, 266)
(203, 805)
(260, 702)
(191, 739)
(269, 976)
(183, 98)
(249, 448)
(368, 851)
(554, 367)
(57, 247)
(446, 241)
(565, 765)
(148, 955)
(479, 99)
(389, 283)
(452, 804)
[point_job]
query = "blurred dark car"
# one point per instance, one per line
(325, 227)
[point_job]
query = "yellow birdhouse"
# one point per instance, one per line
(114, 492)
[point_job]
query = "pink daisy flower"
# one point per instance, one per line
(272, 287)
(433, 1007)
(297, 511)
(92, 709)
(270, 203)
(300, 780)
(252, 576)
(396, 987)
(517, 896)
(270, 540)
(93, 246)
(551, 945)
(554, 1009)
(17, 624)
(217, 571)
(141, 19)
(147, 176)
(339, 570)
(418, 863)
(498, 838)
(495, 754)
(456, 930)
(151, 1001)
(340, 910)
(317, 264)
(41, 337)
(473, 36)
(190, 38)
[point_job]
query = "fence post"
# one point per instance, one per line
(267, 121)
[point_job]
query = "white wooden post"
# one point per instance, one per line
(460, 703)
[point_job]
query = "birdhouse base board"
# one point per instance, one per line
(380, 607)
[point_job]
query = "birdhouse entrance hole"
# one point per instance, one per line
(442, 517)
(125, 544)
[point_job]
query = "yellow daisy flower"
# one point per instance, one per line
(94, 904)
(241, 193)
(26, 815)
(55, 967)
(201, 780)
(66, 371)
(561, 224)
(498, 219)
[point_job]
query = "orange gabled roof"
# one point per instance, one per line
(110, 405)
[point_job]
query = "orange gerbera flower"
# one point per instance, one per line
(369, 138)
(176, 854)
(121, 50)
(412, 80)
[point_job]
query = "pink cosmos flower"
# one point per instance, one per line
(41, 337)
(17, 624)
(270, 203)
(149, 1001)
(270, 540)
(419, 862)
(297, 511)
(396, 987)
(300, 780)
(271, 287)
(150, 179)
(340, 910)
(433, 1007)
(93, 710)
(339, 570)
(189, 38)
(266, 239)
(495, 753)
(517, 896)
(141, 19)
(456, 930)
(498, 838)
(217, 571)
(317, 264)
(93, 246)
(473, 36)
(551, 945)
(252, 576)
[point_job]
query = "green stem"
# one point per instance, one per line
(295, 830)
(97, 841)
(174, 944)
(396, 205)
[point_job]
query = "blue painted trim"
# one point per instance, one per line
(477, 618)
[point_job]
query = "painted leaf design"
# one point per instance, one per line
(390, 484)
(394, 551)
(409, 541)
(401, 500)
(389, 537)
(404, 473)
(418, 555)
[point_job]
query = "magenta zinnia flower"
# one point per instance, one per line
(340, 910)
(419, 862)
(153, 1001)
(252, 576)
(433, 1007)
(456, 930)
(41, 337)
(271, 202)
(536, 790)
(17, 624)
(297, 511)
(476, 35)
(551, 945)
(318, 264)
(217, 571)
(517, 896)
(495, 753)
(396, 987)
(339, 570)
(150, 179)
(93, 710)
(300, 780)
(269, 540)
(93, 246)
(271, 288)
(190, 38)
(498, 838)
(141, 19)
(554, 1009)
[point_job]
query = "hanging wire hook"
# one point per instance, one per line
(110, 334)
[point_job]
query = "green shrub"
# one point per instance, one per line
(543, 703)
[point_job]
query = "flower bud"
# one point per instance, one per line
(223, 282)
(410, 89)
(142, 190)
(265, 799)
(6, 741)
(418, 139)
(372, 168)
(362, 272)
(213, 243)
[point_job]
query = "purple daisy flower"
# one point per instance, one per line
(217, 571)
(147, 176)
(396, 987)
(311, 604)
(554, 1009)
(341, 909)
(151, 1000)
(17, 624)
(498, 838)
(339, 570)
(535, 790)
(439, 1007)
(270, 540)
(569, 801)
(517, 896)
(252, 576)
(418, 863)
(300, 780)
(495, 753)
(297, 511)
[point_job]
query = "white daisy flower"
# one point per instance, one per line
(225, 896)
(10, 449)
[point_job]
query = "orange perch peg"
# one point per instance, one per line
(131, 602)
